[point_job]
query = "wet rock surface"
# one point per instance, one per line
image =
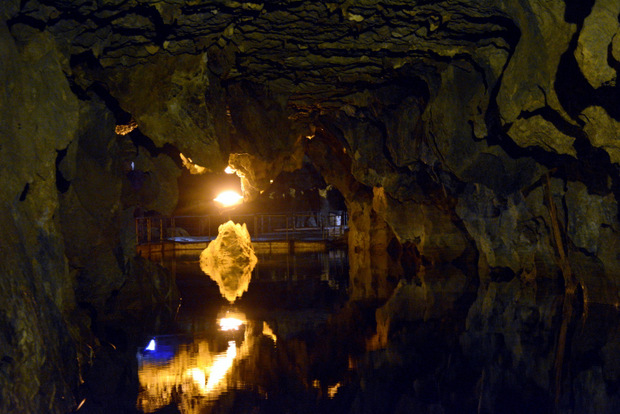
(475, 146)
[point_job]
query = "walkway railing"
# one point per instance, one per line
(284, 226)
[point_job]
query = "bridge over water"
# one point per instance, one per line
(269, 232)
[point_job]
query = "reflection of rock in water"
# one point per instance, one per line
(229, 260)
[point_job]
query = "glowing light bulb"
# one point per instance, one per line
(151, 345)
(229, 170)
(228, 198)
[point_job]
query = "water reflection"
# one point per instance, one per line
(268, 332)
(230, 323)
(229, 260)
(293, 343)
(215, 351)
(192, 372)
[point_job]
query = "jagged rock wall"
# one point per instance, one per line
(36, 289)
(456, 132)
(61, 206)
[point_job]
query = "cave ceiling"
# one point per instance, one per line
(493, 92)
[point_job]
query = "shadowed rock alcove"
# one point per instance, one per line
(474, 146)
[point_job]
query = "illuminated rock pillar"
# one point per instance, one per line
(369, 261)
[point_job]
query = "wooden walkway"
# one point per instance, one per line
(270, 233)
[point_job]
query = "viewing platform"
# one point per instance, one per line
(270, 233)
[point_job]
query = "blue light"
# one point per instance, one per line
(159, 349)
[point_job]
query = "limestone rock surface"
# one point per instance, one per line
(229, 260)
(478, 137)
(602, 131)
(39, 335)
(595, 38)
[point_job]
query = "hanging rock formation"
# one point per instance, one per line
(472, 141)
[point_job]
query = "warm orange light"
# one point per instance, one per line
(229, 170)
(230, 324)
(189, 164)
(221, 366)
(228, 198)
(333, 390)
(126, 129)
(268, 332)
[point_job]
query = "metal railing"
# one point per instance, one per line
(328, 225)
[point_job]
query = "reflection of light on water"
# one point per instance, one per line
(331, 391)
(199, 377)
(268, 332)
(193, 369)
(221, 366)
(230, 324)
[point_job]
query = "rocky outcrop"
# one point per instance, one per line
(229, 260)
(36, 292)
(61, 200)
(599, 29)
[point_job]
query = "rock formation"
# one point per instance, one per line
(475, 143)
(229, 260)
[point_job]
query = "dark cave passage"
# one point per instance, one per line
(458, 162)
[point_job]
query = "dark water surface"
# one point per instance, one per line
(301, 346)
(280, 356)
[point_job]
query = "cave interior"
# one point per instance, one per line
(474, 145)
